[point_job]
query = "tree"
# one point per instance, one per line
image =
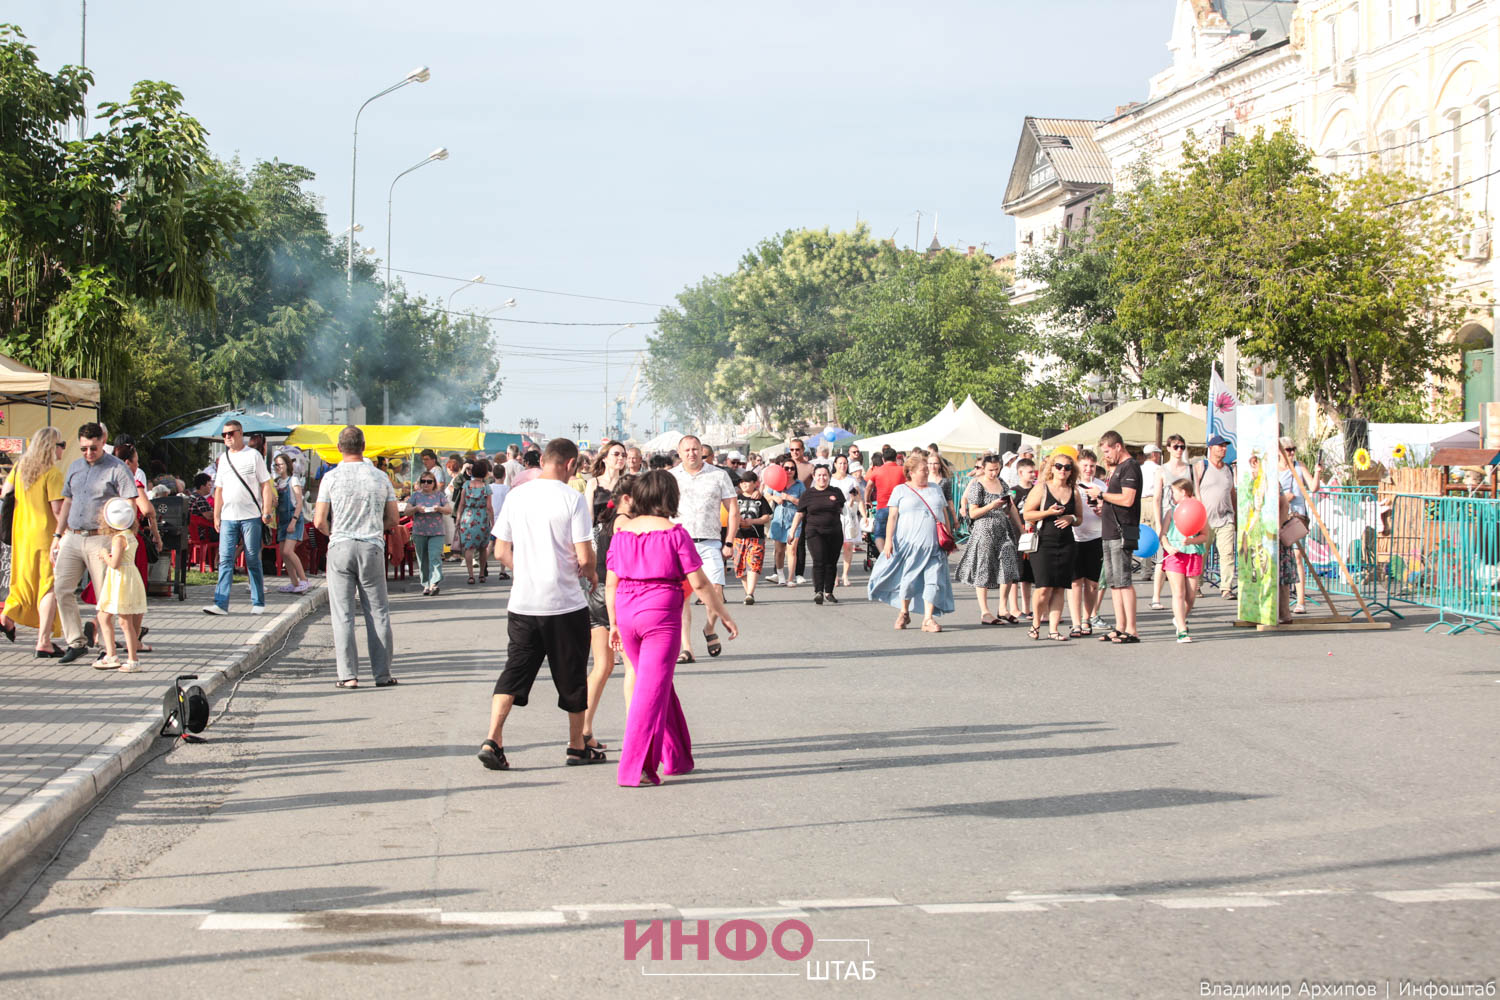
(684, 352)
(934, 328)
(789, 315)
(88, 227)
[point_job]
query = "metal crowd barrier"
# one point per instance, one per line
(1350, 519)
(1444, 553)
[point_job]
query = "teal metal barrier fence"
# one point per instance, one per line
(1445, 554)
(1350, 521)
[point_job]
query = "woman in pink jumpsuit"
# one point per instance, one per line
(649, 558)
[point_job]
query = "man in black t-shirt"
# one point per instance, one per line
(1122, 532)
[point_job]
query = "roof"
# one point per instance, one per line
(19, 380)
(1248, 16)
(1067, 146)
(1136, 423)
(956, 430)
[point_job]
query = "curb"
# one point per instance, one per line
(31, 822)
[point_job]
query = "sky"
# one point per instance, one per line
(620, 151)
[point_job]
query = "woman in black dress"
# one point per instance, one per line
(821, 506)
(1052, 509)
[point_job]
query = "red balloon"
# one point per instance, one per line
(1190, 517)
(775, 477)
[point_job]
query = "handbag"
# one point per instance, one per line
(944, 536)
(7, 516)
(1294, 529)
(1029, 542)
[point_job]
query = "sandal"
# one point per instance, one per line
(1125, 638)
(1057, 636)
(9, 632)
(686, 656)
(388, 682)
(1035, 632)
(1113, 635)
(931, 626)
(471, 579)
(1074, 633)
(1008, 619)
(591, 743)
(130, 667)
(585, 755)
(107, 663)
(1300, 609)
(350, 683)
(714, 646)
(492, 756)
(1157, 606)
(988, 620)
(902, 620)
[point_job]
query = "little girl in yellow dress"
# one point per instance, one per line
(123, 594)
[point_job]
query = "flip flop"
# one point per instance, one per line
(350, 683)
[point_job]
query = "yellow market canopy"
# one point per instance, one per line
(387, 439)
(1141, 422)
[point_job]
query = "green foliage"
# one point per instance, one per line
(1340, 283)
(934, 328)
(87, 227)
(687, 347)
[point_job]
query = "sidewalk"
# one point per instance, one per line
(67, 731)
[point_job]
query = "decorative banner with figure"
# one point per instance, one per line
(1223, 414)
(1259, 496)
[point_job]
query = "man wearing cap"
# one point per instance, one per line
(1009, 474)
(1216, 489)
(90, 483)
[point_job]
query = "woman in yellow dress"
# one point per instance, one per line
(37, 481)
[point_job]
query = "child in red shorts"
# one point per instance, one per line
(750, 546)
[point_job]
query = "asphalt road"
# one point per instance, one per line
(960, 814)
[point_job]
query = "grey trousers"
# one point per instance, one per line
(357, 570)
(1224, 539)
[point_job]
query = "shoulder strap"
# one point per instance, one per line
(253, 495)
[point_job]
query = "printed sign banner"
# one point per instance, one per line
(1223, 413)
(1259, 526)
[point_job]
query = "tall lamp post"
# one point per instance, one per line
(627, 326)
(441, 153)
(478, 279)
(419, 75)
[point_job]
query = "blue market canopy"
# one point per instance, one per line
(213, 427)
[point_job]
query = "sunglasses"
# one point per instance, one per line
(231, 434)
(426, 482)
(1062, 468)
(1177, 447)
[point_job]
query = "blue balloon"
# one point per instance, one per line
(1148, 543)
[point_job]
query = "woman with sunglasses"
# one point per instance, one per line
(785, 504)
(1053, 510)
(1174, 468)
(37, 482)
(428, 504)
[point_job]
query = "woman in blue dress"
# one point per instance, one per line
(785, 502)
(914, 567)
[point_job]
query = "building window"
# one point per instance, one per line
(1086, 211)
(1413, 151)
(1456, 154)
(1390, 155)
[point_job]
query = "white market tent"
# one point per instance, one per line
(664, 442)
(965, 430)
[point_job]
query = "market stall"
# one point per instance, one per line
(1140, 422)
(31, 400)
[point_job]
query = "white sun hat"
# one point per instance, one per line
(119, 514)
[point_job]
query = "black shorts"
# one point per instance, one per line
(598, 607)
(1088, 559)
(561, 640)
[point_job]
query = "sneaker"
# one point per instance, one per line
(1098, 622)
(801, 579)
(750, 600)
(214, 609)
(286, 589)
(302, 587)
(818, 598)
(829, 598)
(257, 609)
(773, 578)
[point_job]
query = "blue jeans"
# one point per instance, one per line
(231, 533)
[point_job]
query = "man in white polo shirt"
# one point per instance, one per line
(704, 490)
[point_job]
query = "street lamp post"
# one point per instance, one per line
(419, 75)
(441, 153)
(627, 326)
(478, 279)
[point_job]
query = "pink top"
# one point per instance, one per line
(665, 557)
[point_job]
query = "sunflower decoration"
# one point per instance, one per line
(1398, 453)
(1362, 460)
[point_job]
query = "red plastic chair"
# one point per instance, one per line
(203, 551)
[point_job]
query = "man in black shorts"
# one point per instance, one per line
(543, 537)
(1121, 512)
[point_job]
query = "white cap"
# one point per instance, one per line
(1153, 447)
(1005, 459)
(119, 514)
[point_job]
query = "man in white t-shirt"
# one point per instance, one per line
(244, 499)
(703, 490)
(544, 537)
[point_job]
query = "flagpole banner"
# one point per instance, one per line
(1223, 410)
(1259, 528)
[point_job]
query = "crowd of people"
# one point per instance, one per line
(611, 551)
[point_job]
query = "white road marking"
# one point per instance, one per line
(942, 908)
(1065, 897)
(1477, 885)
(730, 912)
(856, 903)
(1435, 895)
(1213, 902)
(504, 918)
(254, 922)
(137, 911)
(585, 909)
